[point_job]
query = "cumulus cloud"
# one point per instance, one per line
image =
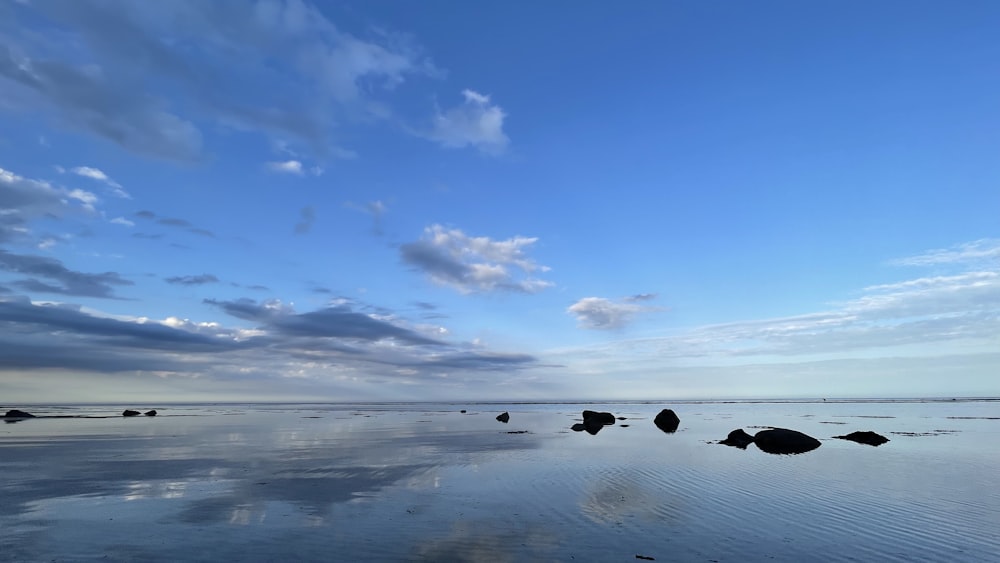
(59, 279)
(95, 76)
(476, 122)
(605, 314)
(100, 176)
(474, 264)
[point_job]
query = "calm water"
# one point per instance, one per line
(427, 483)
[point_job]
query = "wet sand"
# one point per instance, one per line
(429, 483)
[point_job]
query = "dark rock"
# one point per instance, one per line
(462, 411)
(578, 427)
(784, 441)
(667, 420)
(593, 425)
(130, 412)
(622, 418)
(602, 417)
(738, 439)
(504, 417)
(14, 413)
(866, 437)
(151, 413)
(594, 421)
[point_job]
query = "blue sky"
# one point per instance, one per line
(282, 199)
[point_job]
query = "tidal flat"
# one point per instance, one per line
(427, 482)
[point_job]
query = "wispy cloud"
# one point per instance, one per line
(474, 264)
(201, 279)
(476, 122)
(924, 317)
(307, 217)
(23, 200)
(172, 222)
(95, 81)
(58, 279)
(286, 167)
(978, 251)
(100, 176)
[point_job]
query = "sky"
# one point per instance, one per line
(277, 200)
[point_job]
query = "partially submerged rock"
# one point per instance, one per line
(602, 417)
(667, 420)
(785, 441)
(578, 427)
(594, 421)
(14, 413)
(130, 412)
(738, 439)
(151, 413)
(866, 437)
(504, 417)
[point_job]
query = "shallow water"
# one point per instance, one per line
(424, 482)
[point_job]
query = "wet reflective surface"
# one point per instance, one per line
(426, 482)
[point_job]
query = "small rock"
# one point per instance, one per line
(462, 411)
(578, 427)
(667, 420)
(14, 413)
(151, 413)
(738, 439)
(130, 412)
(784, 441)
(504, 417)
(867, 437)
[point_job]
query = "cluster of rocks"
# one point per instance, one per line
(15, 415)
(780, 441)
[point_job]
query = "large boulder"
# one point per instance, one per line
(667, 420)
(504, 417)
(738, 439)
(867, 437)
(785, 441)
(130, 412)
(14, 413)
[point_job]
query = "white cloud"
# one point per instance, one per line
(602, 313)
(122, 221)
(475, 122)
(474, 264)
(100, 176)
(286, 167)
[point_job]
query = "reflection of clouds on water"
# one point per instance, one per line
(620, 494)
(313, 490)
(473, 542)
